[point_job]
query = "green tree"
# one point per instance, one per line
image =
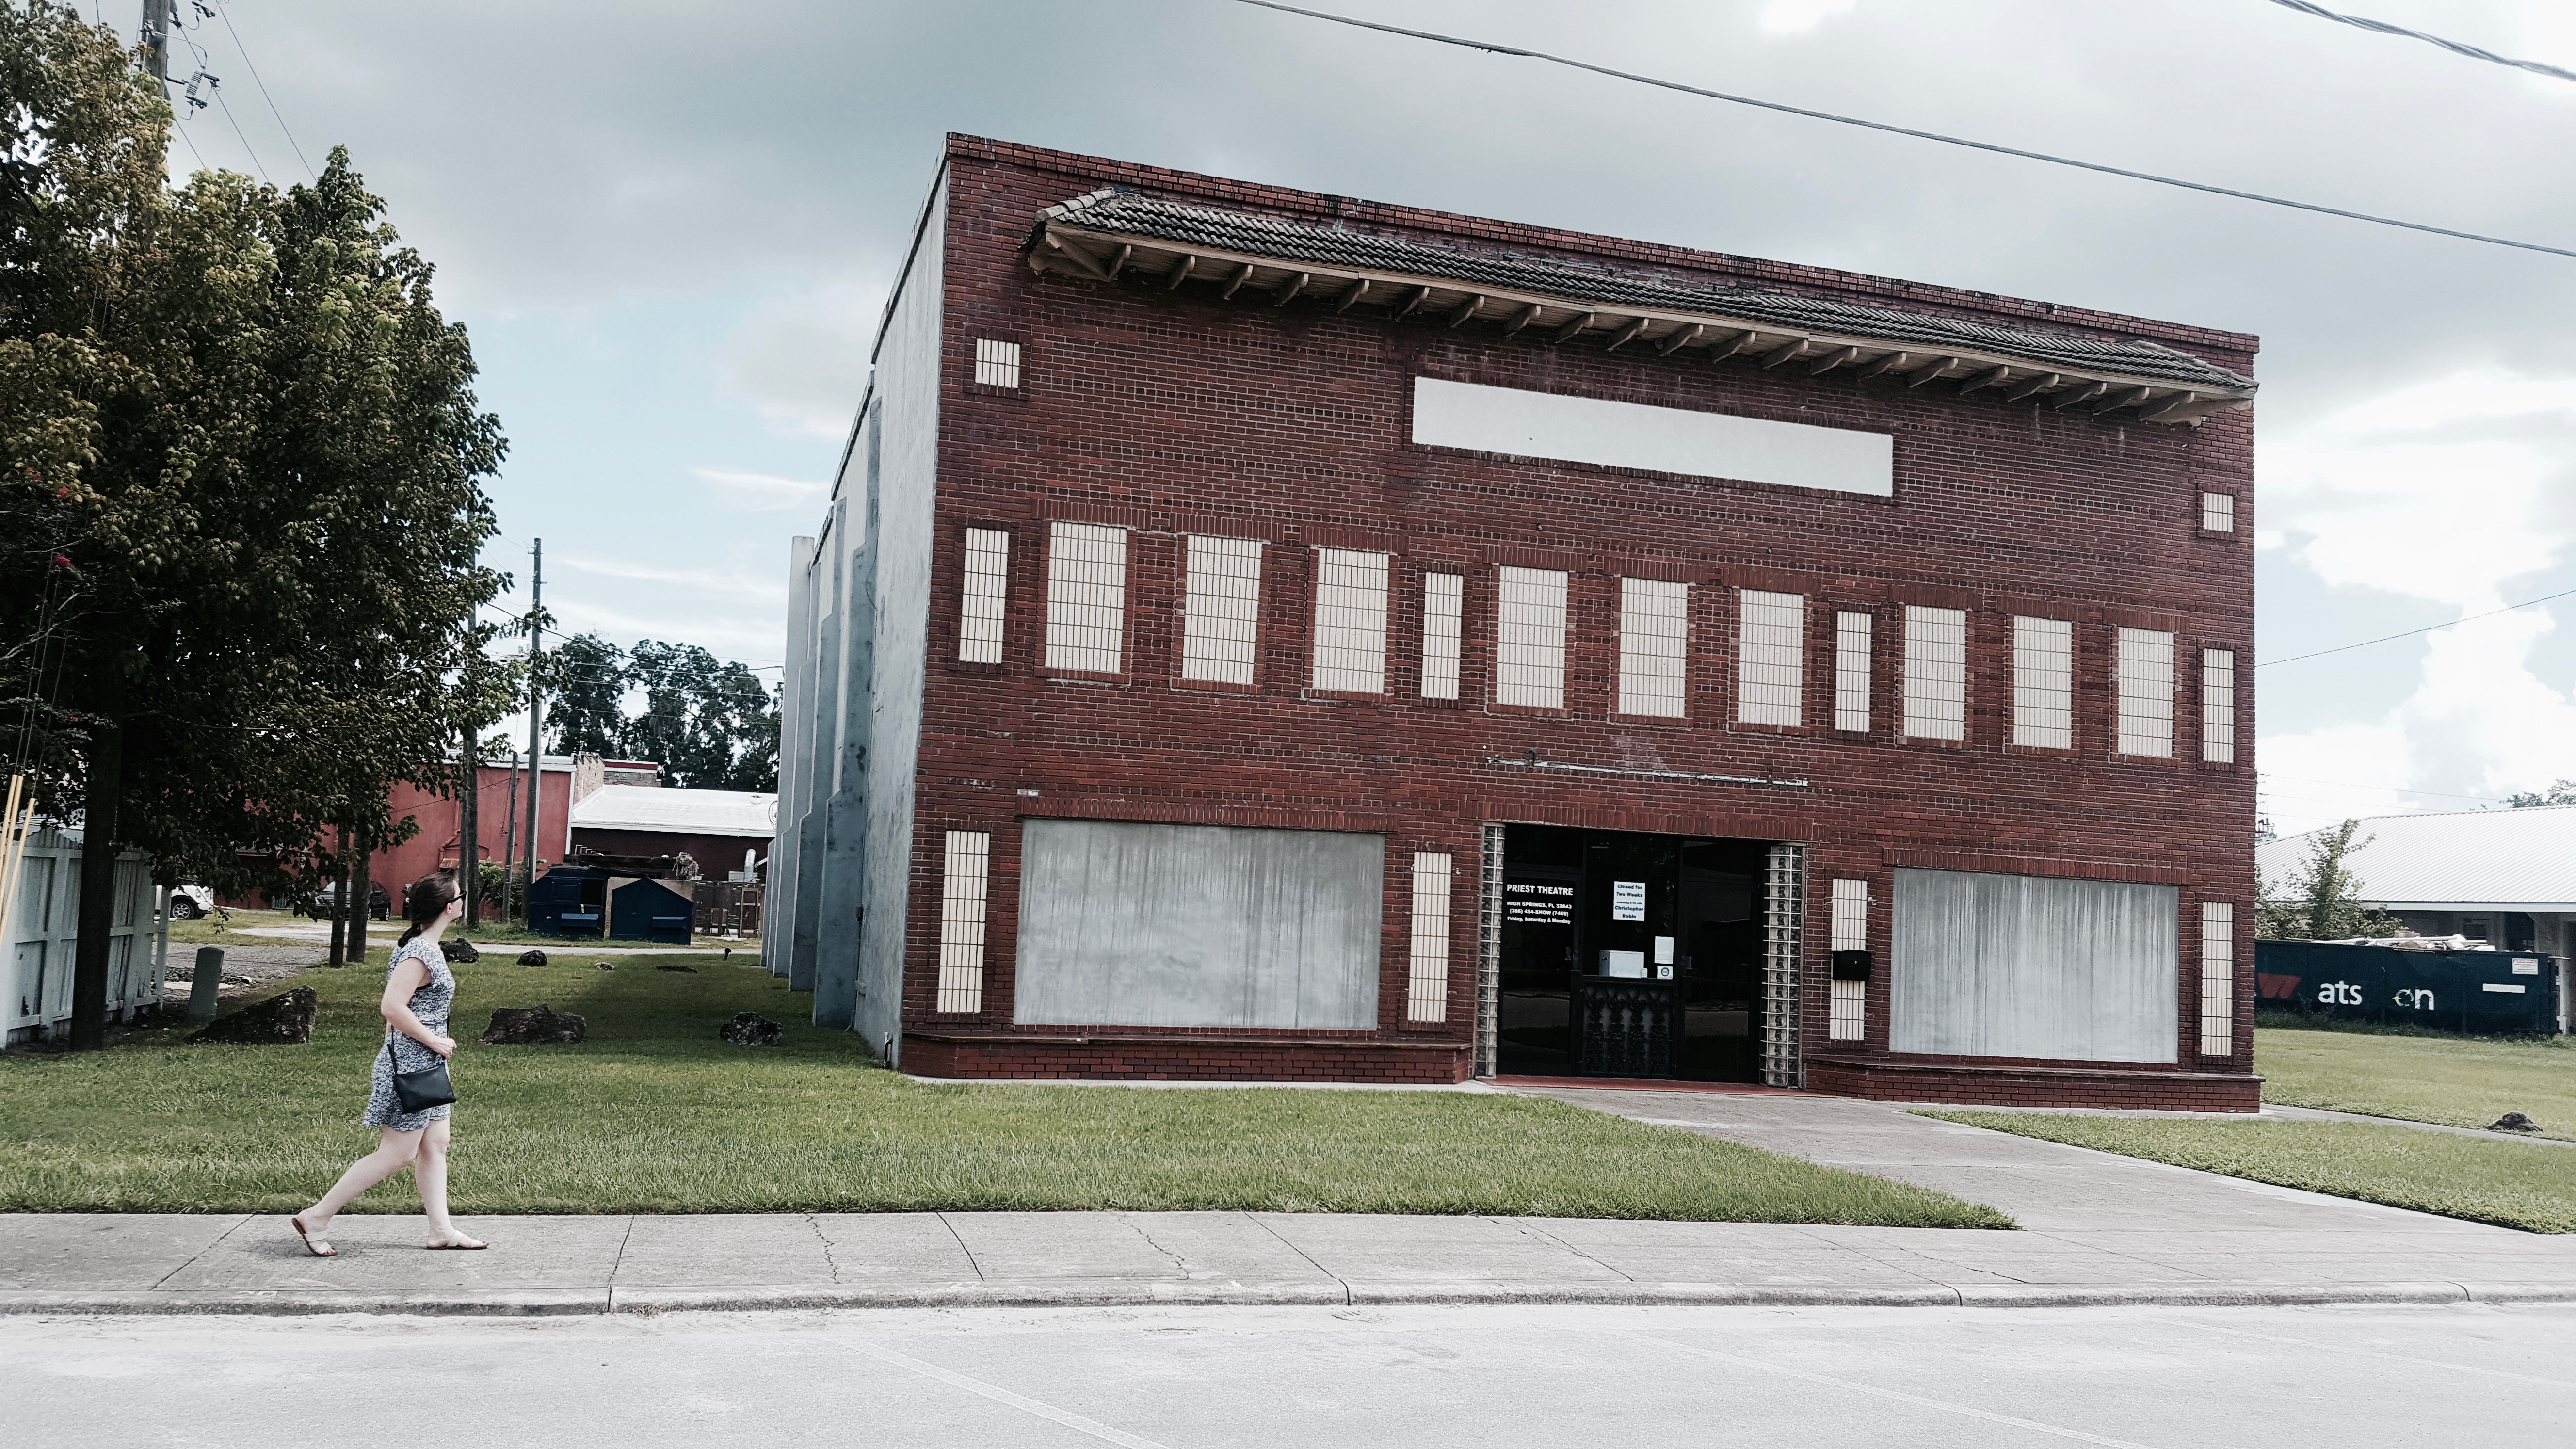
(2562, 792)
(2319, 899)
(586, 680)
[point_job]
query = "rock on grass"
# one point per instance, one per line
(285, 1019)
(534, 1026)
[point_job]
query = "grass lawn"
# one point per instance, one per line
(654, 1114)
(2515, 1184)
(2455, 1080)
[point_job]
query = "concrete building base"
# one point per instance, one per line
(2117, 1087)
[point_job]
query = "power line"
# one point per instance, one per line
(2357, 785)
(263, 89)
(1496, 48)
(226, 108)
(2411, 633)
(2382, 27)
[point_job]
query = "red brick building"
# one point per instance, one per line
(1260, 634)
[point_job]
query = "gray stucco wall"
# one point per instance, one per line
(1192, 925)
(2026, 966)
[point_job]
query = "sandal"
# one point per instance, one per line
(318, 1247)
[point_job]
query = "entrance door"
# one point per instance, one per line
(1630, 955)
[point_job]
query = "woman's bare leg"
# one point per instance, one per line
(430, 1173)
(392, 1152)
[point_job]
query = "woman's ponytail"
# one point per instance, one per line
(425, 900)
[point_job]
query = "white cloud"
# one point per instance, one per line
(760, 492)
(802, 359)
(1786, 17)
(736, 585)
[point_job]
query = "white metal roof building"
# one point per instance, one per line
(2506, 876)
(678, 812)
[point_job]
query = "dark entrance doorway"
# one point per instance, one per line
(1630, 955)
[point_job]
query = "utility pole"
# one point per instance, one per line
(469, 824)
(536, 699)
(158, 17)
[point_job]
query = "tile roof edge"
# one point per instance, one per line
(1105, 174)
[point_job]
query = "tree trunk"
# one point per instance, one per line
(360, 893)
(469, 820)
(106, 788)
(340, 900)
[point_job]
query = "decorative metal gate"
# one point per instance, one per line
(1626, 1027)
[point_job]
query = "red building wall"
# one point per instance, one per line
(1172, 413)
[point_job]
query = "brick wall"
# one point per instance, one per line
(1172, 412)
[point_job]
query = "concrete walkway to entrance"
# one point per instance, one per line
(2095, 1229)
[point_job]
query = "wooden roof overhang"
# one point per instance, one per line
(1068, 249)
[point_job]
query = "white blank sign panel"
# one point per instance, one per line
(1636, 435)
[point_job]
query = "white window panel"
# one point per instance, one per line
(2044, 683)
(987, 589)
(2218, 512)
(1848, 1010)
(1086, 597)
(2218, 705)
(2145, 676)
(1426, 996)
(1936, 673)
(1529, 638)
(2217, 979)
(1770, 658)
(1443, 600)
(1654, 647)
(962, 889)
(1221, 609)
(1851, 672)
(997, 364)
(1350, 621)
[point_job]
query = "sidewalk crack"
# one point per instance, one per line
(220, 1239)
(961, 1245)
(1338, 1280)
(608, 1292)
(1183, 1264)
(1526, 1226)
(829, 1261)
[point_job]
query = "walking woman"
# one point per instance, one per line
(417, 997)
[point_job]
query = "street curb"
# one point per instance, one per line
(600, 1302)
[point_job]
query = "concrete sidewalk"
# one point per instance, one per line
(2096, 1229)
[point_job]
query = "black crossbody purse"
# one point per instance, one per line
(421, 1090)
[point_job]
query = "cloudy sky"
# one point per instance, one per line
(669, 227)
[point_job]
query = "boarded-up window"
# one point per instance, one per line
(1851, 672)
(1125, 924)
(1350, 621)
(2030, 966)
(1848, 1016)
(1654, 646)
(2218, 705)
(962, 885)
(1220, 609)
(2044, 683)
(1427, 974)
(1770, 658)
(2217, 978)
(2218, 512)
(987, 590)
(1443, 600)
(2145, 679)
(1529, 638)
(997, 363)
(1936, 673)
(1086, 597)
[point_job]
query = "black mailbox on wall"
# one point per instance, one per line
(1851, 965)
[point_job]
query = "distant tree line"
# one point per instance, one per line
(710, 723)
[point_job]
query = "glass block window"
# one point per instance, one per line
(2145, 677)
(961, 921)
(2044, 683)
(1426, 994)
(1086, 597)
(1847, 1017)
(1350, 621)
(1443, 600)
(2217, 979)
(1936, 673)
(2218, 705)
(1770, 658)
(1851, 672)
(2218, 512)
(1220, 608)
(997, 364)
(1654, 647)
(1529, 638)
(988, 584)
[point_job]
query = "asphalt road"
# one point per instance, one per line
(1184, 1378)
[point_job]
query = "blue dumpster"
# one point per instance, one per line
(569, 900)
(2466, 991)
(648, 910)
